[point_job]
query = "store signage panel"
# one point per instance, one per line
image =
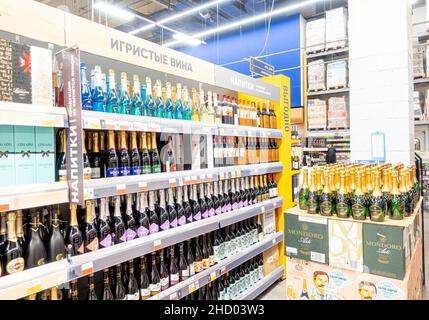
(261, 68)
(107, 42)
(236, 81)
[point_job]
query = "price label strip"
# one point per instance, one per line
(34, 287)
(143, 187)
(87, 268)
(172, 183)
(121, 189)
(4, 207)
(157, 244)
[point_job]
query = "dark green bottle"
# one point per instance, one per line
(359, 209)
(312, 198)
(396, 205)
(326, 203)
(303, 192)
(377, 208)
(405, 196)
(342, 199)
(386, 191)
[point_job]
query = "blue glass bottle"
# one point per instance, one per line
(169, 105)
(143, 97)
(187, 110)
(125, 102)
(149, 102)
(136, 103)
(84, 88)
(159, 104)
(97, 94)
(112, 96)
(178, 107)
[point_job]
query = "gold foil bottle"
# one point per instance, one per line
(359, 209)
(303, 192)
(342, 203)
(312, 198)
(377, 208)
(396, 204)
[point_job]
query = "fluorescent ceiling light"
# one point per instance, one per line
(245, 21)
(178, 16)
(187, 39)
(114, 11)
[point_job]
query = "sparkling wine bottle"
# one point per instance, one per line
(107, 292)
(186, 205)
(118, 222)
(143, 216)
(153, 215)
(174, 270)
(130, 222)
(56, 245)
(196, 209)
(133, 292)
(163, 214)
(209, 200)
(155, 279)
(90, 239)
(203, 204)
(35, 254)
(144, 280)
(183, 265)
(75, 236)
(104, 233)
(120, 292)
(171, 209)
(180, 210)
(163, 272)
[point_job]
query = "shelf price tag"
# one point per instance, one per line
(125, 125)
(172, 183)
(213, 276)
(222, 270)
(173, 296)
(34, 287)
(87, 268)
(157, 245)
(88, 194)
(47, 123)
(191, 287)
(221, 176)
(110, 124)
(143, 186)
(263, 209)
(120, 189)
(4, 207)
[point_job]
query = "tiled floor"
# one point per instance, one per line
(278, 290)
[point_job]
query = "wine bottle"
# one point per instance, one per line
(187, 205)
(107, 292)
(144, 280)
(56, 245)
(226, 197)
(205, 253)
(190, 258)
(143, 215)
(169, 160)
(358, 201)
(153, 215)
(198, 262)
(85, 90)
(215, 196)
(216, 247)
(136, 167)
(86, 165)
(144, 154)
(377, 205)
(112, 166)
(35, 254)
(227, 242)
(90, 239)
(19, 229)
(312, 199)
(13, 260)
(174, 271)
(120, 234)
(169, 105)
(124, 158)
(120, 293)
(303, 193)
(209, 200)
(156, 162)
(125, 101)
(97, 94)
(221, 289)
(159, 104)
(178, 106)
(61, 165)
(104, 233)
(233, 195)
(180, 210)
(91, 292)
(208, 295)
(183, 265)
(73, 292)
(220, 197)
(171, 209)
(163, 272)
(187, 110)
(195, 205)
(210, 250)
(136, 102)
(326, 199)
(132, 286)
(75, 236)
(130, 222)
(202, 202)
(404, 193)
(163, 214)
(95, 158)
(112, 95)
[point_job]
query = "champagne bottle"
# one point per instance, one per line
(125, 101)
(119, 288)
(56, 246)
(61, 166)
(130, 222)
(183, 265)
(378, 203)
(144, 280)
(169, 105)
(205, 253)
(326, 203)
(136, 103)
(107, 292)
(190, 259)
(90, 239)
(19, 230)
(105, 235)
(112, 166)
(198, 262)
(75, 236)
(112, 96)
(215, 196)
(136, 167)
(86, 165)
(85, 90)
(226, 198)
(153, 215)
(163, 214)
(124, 158)
(174, 271)
(178, 206)
(96, 158)
(118, 222)
(143, 215)
(405, 200)
(144, 154)
(163, 272)
(342, 199)
(97, 94)
(203, 204)
(132, 286)
(35, 254)
(156, 163)
(195, 205)
(358, 202)
(149, 103)
(303, 193)
(91, 292)
(210, 250)
(187, 110)
(187, 205)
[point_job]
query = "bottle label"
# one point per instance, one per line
(154, 288)
(95, 173)
(376, 212)
(191, 269)
(198, 266)
(212, 212)
(145, 294)
(124, 171)
(206, 263)
(93, 245)
(325, 207)
(112, 172)
(133, 296)
(15, 265)
(342, 208)
(165, 283)
(228, 207)
(153, 228)
(156, 168)
(130, 234)
(184, 274)
(146, 169)
(173, 223)
(197, 216)
(205, 214)
(165, 225)
(182, 221)
(174, 278)
(358, 211)
(123, 238)
(142, 231)
(87, 173)
(136, 171)
(106, 242)
(218, 210)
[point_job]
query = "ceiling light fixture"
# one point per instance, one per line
(114, 11)
(245, 21)
(177, 16)
(187, 39)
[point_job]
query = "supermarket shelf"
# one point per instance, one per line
(421, 81)
(245, 131)
(98, 260)
(22, 114)
(327, 53)
(34, 195)
(328, 133)
(262, 285)
(22, 284)
(296, 172)
(421, 122)
(106, 187)
(201, 279)
(295, 141)
(327, 92)
(314, 149)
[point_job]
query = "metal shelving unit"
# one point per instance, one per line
(201, 279)
(262, 285)
(327, 92)
(100, 188)
(328, 53)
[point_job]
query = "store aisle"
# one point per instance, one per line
(276, 292)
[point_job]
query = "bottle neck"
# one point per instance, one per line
(95, 148)
(88, 212)
(111, 140)
(153, 142)
(123, 141)
(134, 140)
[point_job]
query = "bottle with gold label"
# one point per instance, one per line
(405, 198)
(410, 189)
(386, 191)
(35, 254)
(312, 198)
(196, 114)
(319, 186)
(91, 238)
(377, 208)
(61, 165)
(359, 209)
(333, 189)
(326, 199)
(396, 205)
(303, 192)
(13, 256)
(342, 204)
(75, 235)
(87, 173)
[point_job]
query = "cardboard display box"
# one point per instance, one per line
(316, 115)
(316, 78)
(271, 260)
(336, 74)
(337, 113)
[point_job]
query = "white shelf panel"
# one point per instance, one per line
(22, 284)
(106, 187)
(22, 114)
(328, 133)
(421, 81)
(262, 285)
(327, 53)
(34, 195)
(327, 92)
(246, 131)
(201, 279)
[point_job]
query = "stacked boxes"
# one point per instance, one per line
(7, 156)
(316, 114)
(418, 62)
(41, 76)
(336, 28)
(337, 113)
(45, 155)
(315, 35)
(336, 74)
(271, 260)
(316, 75)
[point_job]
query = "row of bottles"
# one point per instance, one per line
(232, 284)
(45, 237)
(360, 191)
(102, 94)
(230, 151)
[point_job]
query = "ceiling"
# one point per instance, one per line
(155, 10)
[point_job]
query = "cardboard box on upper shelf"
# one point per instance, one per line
(315, 35)
(310, 280)
(336, 28)
(316, 75)
(271, 259)
(336, 74)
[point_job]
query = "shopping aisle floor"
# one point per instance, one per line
(276, 292)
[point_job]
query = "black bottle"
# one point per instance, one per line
(143, 215)
(163, 214)
(186, 205)
(180, 210)
(203, 204)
